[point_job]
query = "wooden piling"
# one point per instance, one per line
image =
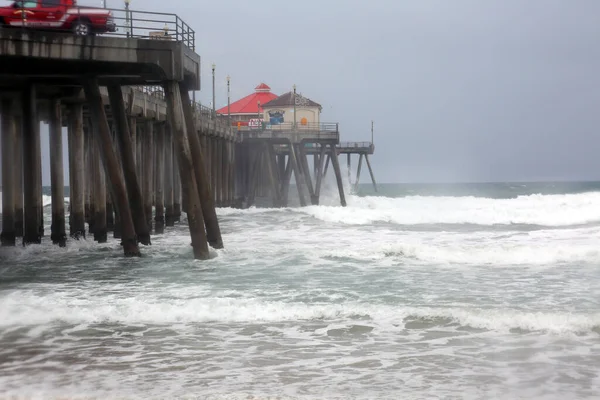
(76, 172)
(338, 174)
(58, 232)
(9, 144)
(103, 139)
(186, 170)
(213, 231)
(32, 168)
(126, 137)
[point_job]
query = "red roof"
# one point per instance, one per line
(249, 104)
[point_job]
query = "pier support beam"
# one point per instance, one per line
(338, 174)
(169, 210)
(186, 170)
(297, 175)
(176, 183)
(147, 168)
(76, 172)
(126, 137)
(213, 231)
(371, 172)
(18, 176)
(360, 158)
(103, 139)
(58, 233)
(319, 172)
(9, 145)
(32, 168)
(99, 199)
(159, 175)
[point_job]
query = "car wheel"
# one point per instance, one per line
(82, 28)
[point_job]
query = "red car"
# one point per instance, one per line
(61, 15)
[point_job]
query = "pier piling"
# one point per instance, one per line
(126, 137)
(186, 170)
(159, 205)
(9, 186)
(58, 232)
(213, 231)
(103, 139)
(76, 172)
(32, 168)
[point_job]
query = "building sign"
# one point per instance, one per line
(276, 117)
(255, 123)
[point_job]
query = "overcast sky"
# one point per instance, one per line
(462, 90)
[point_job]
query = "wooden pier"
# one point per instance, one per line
(140, 152)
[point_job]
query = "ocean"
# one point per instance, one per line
(453, 291)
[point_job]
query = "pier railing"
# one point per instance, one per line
(123, 23)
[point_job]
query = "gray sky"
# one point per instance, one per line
(462, 90)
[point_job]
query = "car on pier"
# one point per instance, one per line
(57, 15)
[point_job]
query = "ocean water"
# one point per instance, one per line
(480, 291)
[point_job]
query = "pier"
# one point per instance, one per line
(140, 150)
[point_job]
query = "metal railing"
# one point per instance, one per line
(116, 22)
(355, 144)
(290, 126)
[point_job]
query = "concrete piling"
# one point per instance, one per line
(126, 137)
(99, 198)
(338, 174)
(371, 172)
(32, 168)
(168, 177)
(76, 172)
(148, 168)
(159, 205)
(58, 230)
(213, 231)
(9, 140)
(186, 170)
(110, 162)
(18, 176)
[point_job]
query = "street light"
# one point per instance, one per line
(228, 100)
(294, 106)
(213, 76)
(128, 18)
(259, 110)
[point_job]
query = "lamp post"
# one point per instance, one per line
(128, 18)
(228, 100)
(104, 3)
(258, 110)
(213, 93)
(371, 131)
(294, 106)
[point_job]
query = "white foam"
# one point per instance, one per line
(27, 308)
(548, 210)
